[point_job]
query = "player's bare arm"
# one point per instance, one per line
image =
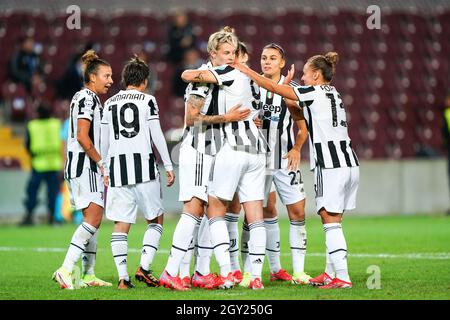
(86, 142)
(205, 76)
(281, 89)
(295, 111)
(294, 155)
(195, 103)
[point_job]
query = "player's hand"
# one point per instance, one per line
(293, 157)
(170, 178)
(290, 75)
(240, 66)
(237, 113)
(106, 181)
(258, 122)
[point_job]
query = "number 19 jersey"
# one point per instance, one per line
(131, 158)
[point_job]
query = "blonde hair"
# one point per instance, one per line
(226, 35)
(325, 63)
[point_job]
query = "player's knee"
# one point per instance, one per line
(270, 211)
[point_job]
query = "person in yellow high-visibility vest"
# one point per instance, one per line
(44, 144)
(446, 136)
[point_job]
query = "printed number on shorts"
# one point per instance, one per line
(296, 178)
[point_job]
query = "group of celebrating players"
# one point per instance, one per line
(237, 150)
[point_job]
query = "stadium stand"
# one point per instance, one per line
(393, 80)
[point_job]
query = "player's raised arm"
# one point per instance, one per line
(281, 89)
(205, 76)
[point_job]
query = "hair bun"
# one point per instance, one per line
(228, 29)
(89, 56)
(332, 58)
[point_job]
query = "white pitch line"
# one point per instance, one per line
(416, 255)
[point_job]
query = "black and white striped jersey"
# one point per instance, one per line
(330, 145)
(235, 88)
(127, 138)
(203, 138)
(277, 128)
(85, 104)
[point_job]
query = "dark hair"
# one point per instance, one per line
(276, 47)
(135, 72)
(43, 111)
(242, 49)
(325, 63)
(90, 63)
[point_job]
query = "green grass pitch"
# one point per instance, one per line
(412, 253)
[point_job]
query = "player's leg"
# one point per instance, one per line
(330, 201)
(150, 244)
(185, 265)
(88, 257)
(203, 278)
(85, 231)
(232, 219)
(182, 237)
(251, 194)
(245, 236)
(119, 247)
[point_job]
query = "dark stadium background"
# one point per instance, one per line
(393, 80)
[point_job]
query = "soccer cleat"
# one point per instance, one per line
(147, 277)
(64, 278)
(226, 282)
(281, 275)
(337, 284)
(174, 283)
(256, 284)
(237, 275)
(90, 280)
(246, 279)
(186, 281)
(210, 281)
(125, 284)
(300, 278)
(321, 280)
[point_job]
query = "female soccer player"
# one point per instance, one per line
(84, 170)
(130, 127)
(282, 170)
(335, 165)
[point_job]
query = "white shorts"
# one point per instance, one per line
(85, 189)
(288, 184)
(123, 203)
(336, 188)
(238, 171)
(194, 170)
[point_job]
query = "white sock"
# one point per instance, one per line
(257, 247)
(182, 237)
(273, 244)
(337, 249)
(80, 238)
(203, 248)
(231, 219)
(221, 244)
(150, 244)
(185, 265)
(119, 247)
(245, 236)
(297, 239)
(329, 269)
(88, 256)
